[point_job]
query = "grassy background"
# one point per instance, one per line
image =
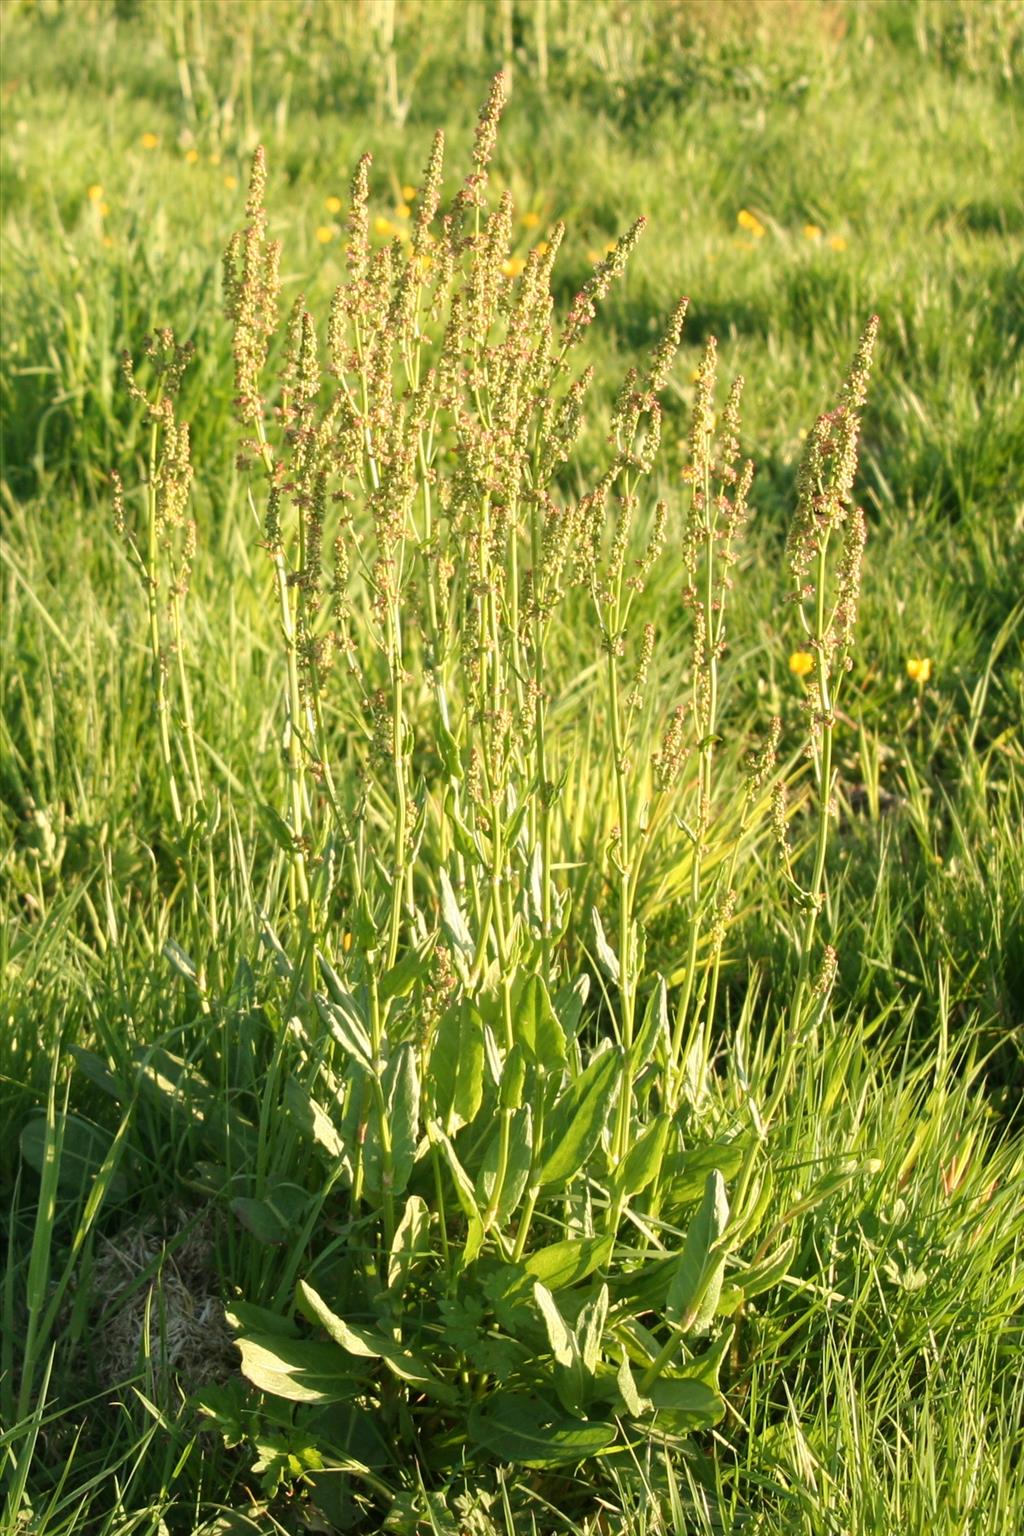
(881, 1395)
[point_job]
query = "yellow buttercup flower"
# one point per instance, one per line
(812, 231)
(94, 193)
(383, 226)
(332, 204)
(191, 156)
(104, 210)
(837, 242)
(542, 247)
(149, 141)
(403, 211)
(801, 663)
(751, 223)
(325, 233)
(408, 193)
(593, 256)
(513, 266)
(919, 669)
(530, 220)
(231, 182)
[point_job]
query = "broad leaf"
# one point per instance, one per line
(566, 1263)
(531, 1432)
(411, 1243)
(517, 1172)
(301, 1370)
(642, 1163)
(693, 1293)
(402, 1092)
(575, 1124)
(536, 1028)
(367, 1343)
(455, 1076)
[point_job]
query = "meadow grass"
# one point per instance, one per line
(163, 1078)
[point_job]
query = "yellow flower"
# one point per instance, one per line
(837, 242)
(751, 223)
(191, 156)
(325, 233)
(812, 232)
(332, 204)
(231, 182)
(408, 193)
(530, 220)
(542, 247)
(593, 256)
(94, 193)
(383, 226)
(402, 211)
(149, 141)
(800, 663)
(104, 210)
(919, 669)
(215, 158)
(612, 245)
(513, 266)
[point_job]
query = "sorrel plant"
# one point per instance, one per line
(520, 1247)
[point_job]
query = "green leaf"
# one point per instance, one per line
(535, 1025)
(314, 1122)
(367, 1343)
(448, 748)
(605, 954)
(402, 1093)
(642, 1163)
(465, 1194)
(686, 1173)
(342, 1019)
(517, 1173)
(527, 1430)
(636, 1406)
(590, 1329)
(411, 1243)
(575, 1124)
(686, 1403)
(400, 980)
(693, 1293)
(566, 1263)
(301, 1370)
(455, 925)
(276, 1218)
(455, 1076)
(569, 1376)
(762, 1277)
(84, 1148)
(654, 1030)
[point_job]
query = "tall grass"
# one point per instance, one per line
(340, 890)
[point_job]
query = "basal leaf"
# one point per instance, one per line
(368, 1343)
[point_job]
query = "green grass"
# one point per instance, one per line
(874, 1388)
